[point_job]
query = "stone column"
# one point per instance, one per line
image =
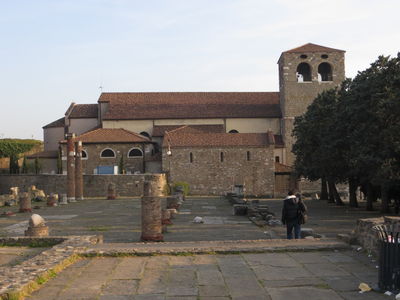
(151, 208)
(70, 168)
(25, 204)
(78, 171)
(111, 191)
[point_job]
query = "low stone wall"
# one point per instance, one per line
(365, 236)
(94, 185)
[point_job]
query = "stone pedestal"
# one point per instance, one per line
(166, 217)
(37, 227)
(62, 199)
(111, 192)
(151, 208)
(173, 202)
(52, 200)
(37, 231)
(25, 204)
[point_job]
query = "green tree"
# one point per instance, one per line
(37, 165)
(24, 168)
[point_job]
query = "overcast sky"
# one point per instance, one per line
(56, 52)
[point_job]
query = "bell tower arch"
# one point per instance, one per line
(304, 72)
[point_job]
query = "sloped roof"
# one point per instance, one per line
(158, 131)
(310, 47)
(281, 168)
(57, 123)
(83, 111)
(44, 154)
(175, 105)
(181, 139)
(110, 135)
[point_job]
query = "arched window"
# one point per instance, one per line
(191, 157)
(146, 134)
(84, 154)
(303, 72)
(107, 153)
(248, 155)
(135, 152)
(221, 156)
(233, 131)
(324, 72)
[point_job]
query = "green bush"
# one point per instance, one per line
(182, 184)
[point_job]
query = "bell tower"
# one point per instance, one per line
(304, 72)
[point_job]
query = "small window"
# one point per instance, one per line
(233, 131)
(135, 152)
(324, 56)
(84, 154)
(324, 72)
(303, 72)
(191, 157)
(303, 56)
(107, 153)
(277, 159)
(221, 156)
(146, 134)
(248, 155)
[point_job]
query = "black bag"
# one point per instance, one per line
(302, 214)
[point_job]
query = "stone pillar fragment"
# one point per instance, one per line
(52, 200)
(62, 199)
(71, 167)
(111, 191)
(37, 227)
(166, 217)
(151, 208)
(25, 204)
(78, 171)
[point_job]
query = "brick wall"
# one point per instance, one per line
(94, 185)
(207, 175)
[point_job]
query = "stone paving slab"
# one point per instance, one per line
(206, 277)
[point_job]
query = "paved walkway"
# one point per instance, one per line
(277, 276)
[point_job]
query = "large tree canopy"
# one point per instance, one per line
(353, 134)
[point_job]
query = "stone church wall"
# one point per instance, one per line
(207, 175)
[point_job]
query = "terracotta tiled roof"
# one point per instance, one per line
(312, 48)
(179, 139)
(108, 135)
(44, 154)
(81, 111)
(127, 106)
(160, 130)
(281, 168)
(57, 123)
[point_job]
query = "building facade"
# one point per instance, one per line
(212, 140)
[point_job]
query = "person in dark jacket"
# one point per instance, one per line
(292, 206)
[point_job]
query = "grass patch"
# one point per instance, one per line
(99, 228)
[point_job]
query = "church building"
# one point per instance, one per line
(211, 140)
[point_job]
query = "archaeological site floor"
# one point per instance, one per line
(226, 257)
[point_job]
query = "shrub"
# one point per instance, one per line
(184, 185)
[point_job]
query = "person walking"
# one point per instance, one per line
(293, 215)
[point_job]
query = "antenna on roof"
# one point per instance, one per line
(101, 88)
